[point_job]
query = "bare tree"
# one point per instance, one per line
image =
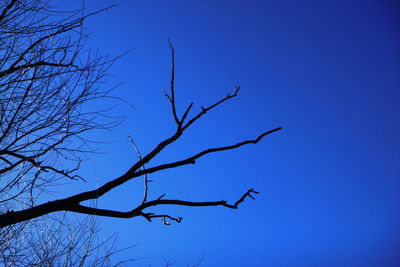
(58, 240)
(45, 82)
(44, 86)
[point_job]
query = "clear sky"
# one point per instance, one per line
(328, 72)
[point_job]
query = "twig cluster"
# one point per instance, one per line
(46, 80)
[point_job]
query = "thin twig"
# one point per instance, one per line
(139, 155)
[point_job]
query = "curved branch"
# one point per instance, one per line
(192, 160)
(139, 210)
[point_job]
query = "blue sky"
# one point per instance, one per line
(328, 72)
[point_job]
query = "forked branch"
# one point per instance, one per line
(73, 203)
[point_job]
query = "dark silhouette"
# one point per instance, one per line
(44, 83)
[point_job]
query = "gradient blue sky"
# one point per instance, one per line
(328, 72)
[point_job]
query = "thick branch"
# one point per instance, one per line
(6, 9)
(73, 203)
(33, 65)
(69, 204)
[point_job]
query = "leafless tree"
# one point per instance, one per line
(45, 83)
(58, 240)
(46, 80)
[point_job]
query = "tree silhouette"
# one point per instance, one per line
(45, 82)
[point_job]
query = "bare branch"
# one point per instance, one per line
(44, 84)
(6, 9)
(34, 65)
(139, 210)
(204, 110)
(192, 159)
(146, 181)
(172, 89)
(186, 113)
(73, 203)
